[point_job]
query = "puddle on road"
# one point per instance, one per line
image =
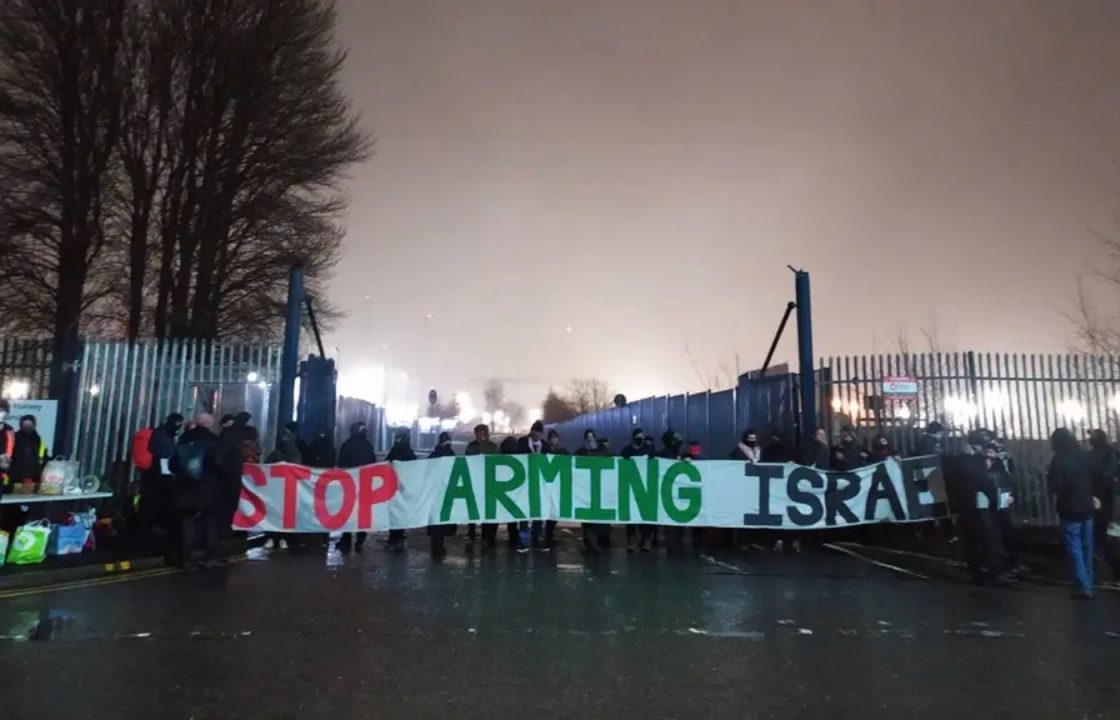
(42, 626)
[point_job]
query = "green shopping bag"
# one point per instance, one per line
(29, 546)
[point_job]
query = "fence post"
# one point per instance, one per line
(805, 353)
(288, 361)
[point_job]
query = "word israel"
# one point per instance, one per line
(504, 488)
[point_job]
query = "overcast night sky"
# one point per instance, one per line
(644, 170)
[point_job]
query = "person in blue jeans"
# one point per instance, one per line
(1071, 483)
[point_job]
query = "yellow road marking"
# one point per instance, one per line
(91, 582)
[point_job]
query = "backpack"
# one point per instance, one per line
(190, 461)
(141, 452)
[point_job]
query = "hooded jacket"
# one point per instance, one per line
(1069, 478)
(287, 449)
(357, 450)
(401, 450)
(1102, 464)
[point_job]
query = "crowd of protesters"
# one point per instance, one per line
(190, 484)
(190, 489)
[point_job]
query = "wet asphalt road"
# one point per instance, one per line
(387, 636)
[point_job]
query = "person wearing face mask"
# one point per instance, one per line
(356, 451)
(637, 536)
(400, 452)
(847, 454)
(748, 450)
(881, 449)
(672, 449)
(29, 454)
(437, 533)
(7, 447)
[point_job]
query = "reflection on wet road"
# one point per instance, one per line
(383, 635)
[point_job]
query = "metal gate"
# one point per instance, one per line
(124, 387)
(1021, 398)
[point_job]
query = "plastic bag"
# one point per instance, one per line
(67, 539)
(58, 475)
(29, 546)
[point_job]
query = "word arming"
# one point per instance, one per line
(505, 488)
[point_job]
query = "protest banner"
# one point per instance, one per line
(504, 488)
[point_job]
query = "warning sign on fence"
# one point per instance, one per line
(900, 386)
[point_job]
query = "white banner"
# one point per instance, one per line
(503, 488)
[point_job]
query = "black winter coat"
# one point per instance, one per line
(356, 451)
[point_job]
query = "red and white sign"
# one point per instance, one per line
(901, 385)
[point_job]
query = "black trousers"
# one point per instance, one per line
(983, 537)
(1110, 546)
(196, 529)
(1006, 528)
(542, 532)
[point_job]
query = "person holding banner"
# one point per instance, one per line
(356, 451)
(639, 537)
(542, 532)
(400, 452)
(436, 533)
(673, 448)
(481, 445)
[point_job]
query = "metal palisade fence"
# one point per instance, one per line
(714, 419)
(1021, 398)
(124, 387)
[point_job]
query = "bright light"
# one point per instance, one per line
(1071, 410)
(253, 377)
(567, 328)
(535, 414)
(853, 408)
(17, 389)
(95, 390)
(467, 410)
(428, 424)
(903, 412)
(498, 421)
(961, 410)
(427, 316)
(364, 383)
(997, 400)
(837, 404)
(448, 424)
(401, 413)
(262, 385)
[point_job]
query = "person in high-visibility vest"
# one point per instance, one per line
(29, 452)
(7, 447)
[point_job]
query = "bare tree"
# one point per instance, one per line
(556, 408)
(59, 121)
(723, 377)
(587, 395)
(1096, 327)
(180, 155)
